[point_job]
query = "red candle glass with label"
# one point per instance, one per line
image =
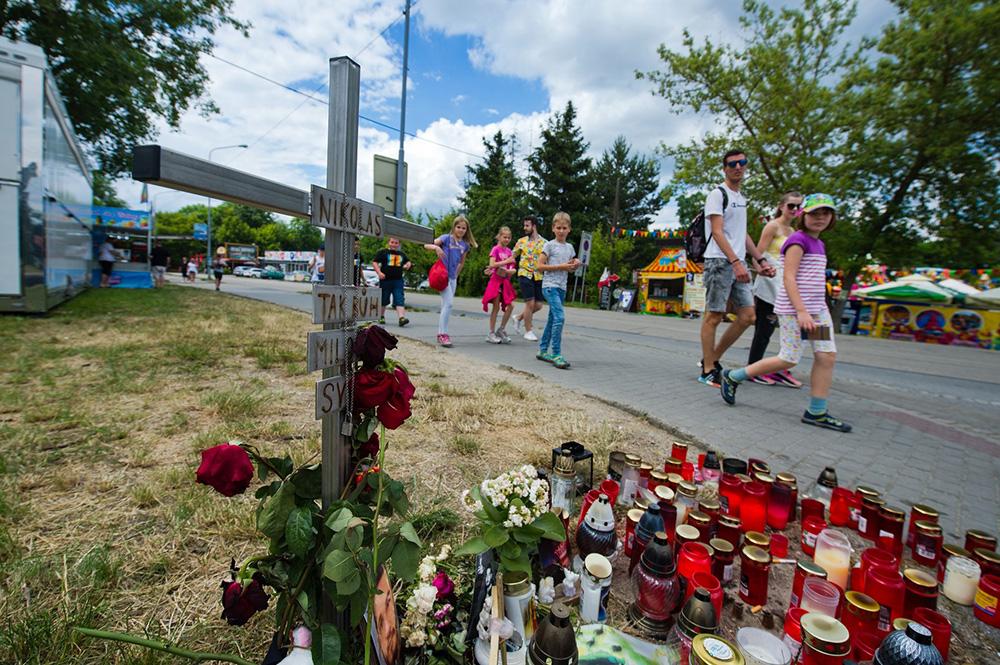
(728, 529)
(919, 513)
(890, 530)
(753, 509)
(631, 520)
(811, 529)
(812, 508)
(988, 560)
(755, 564)
(986, 605)
(927, 543)
(974, 539)
(860, 613)
(885, 586)
(723, 558)
(730, 494)
(869, 521)
(939, 626)
(803, 569)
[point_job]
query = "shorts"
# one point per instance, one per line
(107, 267)
(791, 337)
(721, 287)
(393, 288)
(159, 272)
(531, 289)
(217, 274)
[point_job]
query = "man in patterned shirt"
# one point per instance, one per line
(529, 278)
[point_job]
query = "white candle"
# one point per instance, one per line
(836, 563)
(961, 578)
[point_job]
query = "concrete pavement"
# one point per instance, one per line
(926, 418)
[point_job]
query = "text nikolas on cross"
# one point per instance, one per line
(340, 212)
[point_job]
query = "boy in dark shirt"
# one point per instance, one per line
(389, 265)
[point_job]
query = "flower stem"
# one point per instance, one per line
(374, 573)
(197, 656)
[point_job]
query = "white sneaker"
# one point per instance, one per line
(531, 336)
(504, 337)
(492, 338)
(518, 324)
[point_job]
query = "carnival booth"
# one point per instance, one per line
(671, 285)
(128, 231)
(914, 308)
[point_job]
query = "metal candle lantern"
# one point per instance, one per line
(562, 482)
(583, 461)
(554, 643)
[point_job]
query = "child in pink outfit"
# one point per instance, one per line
(499, 290)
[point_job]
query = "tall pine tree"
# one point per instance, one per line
(627, 187)
(560, 177)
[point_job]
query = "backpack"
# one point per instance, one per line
(695, 238)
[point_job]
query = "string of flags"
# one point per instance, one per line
(665, 234)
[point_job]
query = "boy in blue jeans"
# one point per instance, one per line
(557, 260)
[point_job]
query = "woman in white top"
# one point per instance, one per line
(106, 256)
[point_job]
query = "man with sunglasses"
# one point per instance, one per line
(726, 276)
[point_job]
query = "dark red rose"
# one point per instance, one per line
(227, 468)
(444, 585)
(239, 603)
(372, 387)
(370, 447)
(371, 344)
(403, 385)
(394, 413)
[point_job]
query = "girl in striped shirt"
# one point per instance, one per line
(802, 314)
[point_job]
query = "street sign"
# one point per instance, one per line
(328, 348)
(341, 304)
(201, 231)
(330, 394)
(586, 238)
(340, 212)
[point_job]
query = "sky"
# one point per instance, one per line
(475, 66)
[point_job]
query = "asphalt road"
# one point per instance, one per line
(926, 418)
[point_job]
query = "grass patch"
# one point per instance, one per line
(464, 445)
(237, 404)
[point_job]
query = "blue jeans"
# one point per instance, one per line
(557, 316)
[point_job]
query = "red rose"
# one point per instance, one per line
(372, 387)
(370, 447)
(444, 585)
(371, 343)
(239, 603)
(403, 385)
(227, 468)
(394, 413)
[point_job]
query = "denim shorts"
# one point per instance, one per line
(393, 288)
(721, 287)
(531, 289)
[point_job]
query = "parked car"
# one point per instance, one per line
(299, 276)
(243, 271)
(253, 272)
(272, 273)
(368, 272)
(424, 286)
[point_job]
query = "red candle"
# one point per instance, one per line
(723, 556)
(885, 586)
(788, 480)
(860, 613)
(974, 539)
(927, 544)
(920, 590)
(812, 508)
(730, 494)
(840, 506)
(754, 566)
(672, 465)
(729, 529)
(693, 558)
(711, 584)
(871, 557)
(939, 626)
(779, 505)
(753, 509)
(890, 530)
(803, 569)
(679, 451)
(811, 529)
(919, 513)
(687, 471)
(868, 522)
(589, 498)
(631, 520)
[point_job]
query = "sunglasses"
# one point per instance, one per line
(793, 206)
(736, 162)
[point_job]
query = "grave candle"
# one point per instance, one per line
(868, 522)
(890, 530)
(961, 578)
(919, 513)
(927, 544)
(974, 539)
(679, 451)
(803, 569)
(949, 550)
(753, 508)
(921, 590)
(730, 494)
(754, 566)
(833, 554)
(779, 505)
(723, 557)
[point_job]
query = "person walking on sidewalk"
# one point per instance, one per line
(765, 289)
(558, 259)
(317, 267)
(529, 278)
(159, 259)
(802, 313)
(389, 264)
(499, 291)
(451, 249)
(726, 276)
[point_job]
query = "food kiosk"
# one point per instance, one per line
(671, 285)
(129, 232)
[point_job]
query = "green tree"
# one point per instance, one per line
(104, 191)
(902, 131)
(560, 172)
(301, 235)
(627, 187)
(121, 66)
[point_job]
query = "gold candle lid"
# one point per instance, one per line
(920, 578)
(759, 539)
(709, 505)
(648, 468)
(696, 517)
(634, 515)
(744, 478)
(956, 550)
(687, 532)
(640, 502)
(760, 466)
(864, 491)
(894, 514)
(872, 501)
(825, 634)
(730, 521)
(721, 545)
(764, 477)
(659, 476)
(785, 478)
(930, 528)
(632, 460)
(673, 461)
(664, 493)
(926, 511)
(981, 535)
(516, 582)
(862, 602)
(986, 554)
(755, 553)
(686, 488)
(811, 568)
(901, 623)
(710, 649)
(678, 444)
(675, 478)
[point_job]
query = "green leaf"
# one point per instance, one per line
(326, 645)
(496, 536)
(265, 491)
(511, 550)
(354, 537)
(474, 545)
(309, 482)
(516, 563)
(274, 514)
(339, 519)
(339, 565)
(284, 465)
(359, 603)
(366, 428)
(405, 559)
(385, 548)
(551, 526)
(407, 531)
(349, 584)
(299, 531)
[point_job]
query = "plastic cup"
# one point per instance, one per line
(610, 488)
(779, 545)
(760, 647)
(939, 626)
(821, 596)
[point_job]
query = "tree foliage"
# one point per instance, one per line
(627, 187)
(560, 176)
(902, 130)
(104, 191)
(121, 66)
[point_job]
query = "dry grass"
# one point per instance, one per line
(105, 405)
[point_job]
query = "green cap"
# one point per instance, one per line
(814, 201)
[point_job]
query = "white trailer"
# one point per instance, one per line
(46, 247)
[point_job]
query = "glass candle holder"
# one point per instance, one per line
(868, 522)
(779, 545)
(616, 465)
(645, 470)
(703, 523)
(758, 539)
(631, 520)
(812, 508)
(988, 560)
(840, 506)
(730, 494)
(754, 465)
(927, 543)
(729, 529)
(819, 595)
(754, 566)
(833, 554)
(871, 557)
(693, 557)
(825, 641)
(656, 479)
(723, 558)
(630, 480)
(890, 530)
(885, 586)
(668, 512)
(654, 583)
(753, 509)
(679, 451)
(779, 505)
(811, 528)
(672, 465)
(920, 590)
(803, 569)
(687, 471)
(939, 626)
(788, 480)
(733, 466)
(974, 539)
(860, 613)
(919, 513)
(986, 604)
(685, 533)
(711, 508)
(949, 550)
(961, 579)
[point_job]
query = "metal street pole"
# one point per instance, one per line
(208, 256)
(400, 189)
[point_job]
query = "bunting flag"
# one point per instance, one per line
(665, 234)
(144, 197)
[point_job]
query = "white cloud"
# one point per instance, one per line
(457, 99)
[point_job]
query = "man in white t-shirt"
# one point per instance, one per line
(726, 276)
(317, 266)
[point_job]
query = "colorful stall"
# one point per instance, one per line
(671, 285)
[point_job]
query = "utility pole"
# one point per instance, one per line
(400, 189)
